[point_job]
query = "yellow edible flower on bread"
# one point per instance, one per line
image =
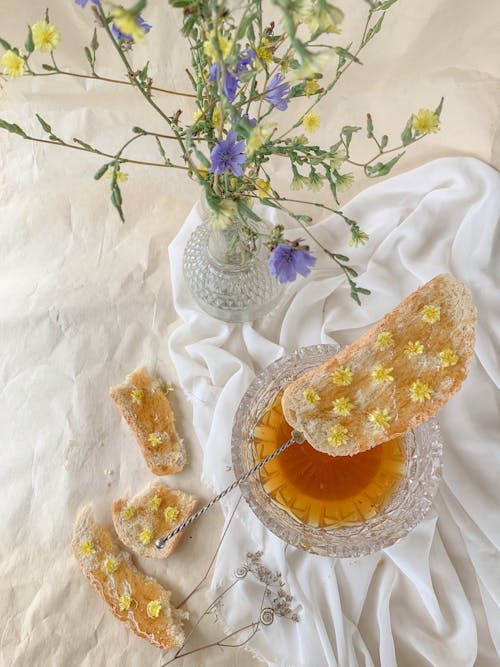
(420, 392)
(125, 601)
(431, 313)
(171, 513)
(337, 436)
(311, 396)
(110, 565)
(384, 340)
(382, 374)
(342, 406)
(155, 439)
(128, 512)
(155, 503)
(413, 348)
(448, 358)
(145, 536)
(137, 396)
(87, 548)
(380, 419)
(154, 608)
(342, 376)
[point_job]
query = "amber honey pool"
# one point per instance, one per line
(326, 491)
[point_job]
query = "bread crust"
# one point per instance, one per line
(146, 409)
(146, 512)
(452, 332)
(94, 550)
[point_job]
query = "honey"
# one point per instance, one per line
(321, 490)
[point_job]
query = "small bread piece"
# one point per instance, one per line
(398, 375)
(137, 600)
(149, 515)
(147, 411)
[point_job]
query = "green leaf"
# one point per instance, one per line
(181, 4)
(116, 200)
(347, 132)
(13, 128)
(245, 211)
(303, 218)
(101, 171)
(381, 168)
(84, 145)
(354, 295)
(188, 25)
(88, 55)
(374, 30)
(162, 152)
(439, 108)
(387, 4)
(363, 290)
(29, 44)
(351, 271)
(49, 68)
(5, 44)
(347, 55)
(138, 7)
(384, 141)
(343, 258)
(143, 74)
(406, 135)
(46, 127)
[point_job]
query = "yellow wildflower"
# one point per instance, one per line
(342, 406)
(216, 116)
(448, 358)
(137, 396)
(128, 512)
(225, 214)
(384, 340)
(262, 187)
(431, 314)
(209, 46)
(197, 115)
(337, 435)
(315, 182)
(342, 376)
(380, 419)
(381, 374)
(413, 348)
(425, 122)
(171, 514)
(126, 23)
(311, 121)
(264, 51)
(155, 439)
(45, 36)
(125, 601)
(121, 176)
(155, 503)
(420, 392)
(145, 536)
(357, 237)
(311, 65)
(258, 136)
(154, 608)
(322, 16)
(311, 86)
(110, 565)
(310, 395)
(12, 64)
(344, 182)
(87, 548)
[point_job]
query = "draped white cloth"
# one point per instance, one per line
(434, 597)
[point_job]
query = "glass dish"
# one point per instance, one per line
(407, 507)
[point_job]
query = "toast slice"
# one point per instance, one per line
(398, 375)
(144, 404)
(135, 599)
(149, 515)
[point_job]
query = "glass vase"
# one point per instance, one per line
(227, 270)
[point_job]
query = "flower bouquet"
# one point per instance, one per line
(246, 70)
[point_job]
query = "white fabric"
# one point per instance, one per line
(434, 597)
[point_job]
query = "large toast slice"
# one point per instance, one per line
(396, 376)
(149, 515)
(137, 600)
(143, 403)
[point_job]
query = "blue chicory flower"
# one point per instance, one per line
(244, 60)
(83, 3)
(227, 155)
(122, 35)
(286, 262)
(252, 121)
(230, 82)
(277, 91)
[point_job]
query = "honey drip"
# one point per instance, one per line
(322, 490)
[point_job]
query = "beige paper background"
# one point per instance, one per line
(61, 245)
